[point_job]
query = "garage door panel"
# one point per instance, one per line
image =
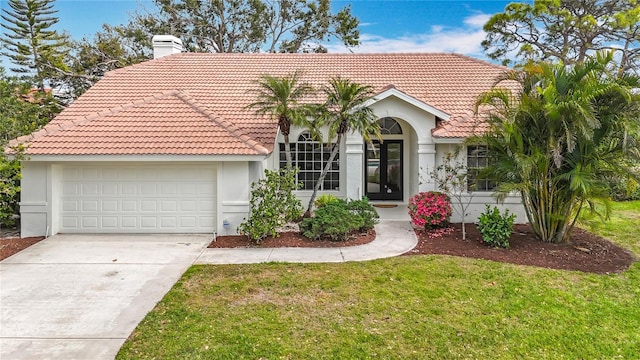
(147, 189)
(188, 205)
(109, 222)
(129, 222)
(148, 206)
(109, 189)
(166, 198)
(109, 206)
(90, 174)
(188, 221)
(129, 205)
(90, 222)
(90, 206)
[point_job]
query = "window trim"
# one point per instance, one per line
(473, 171)
(304, 156)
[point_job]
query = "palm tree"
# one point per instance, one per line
(280, 98)
(344, 110)
(557, 139)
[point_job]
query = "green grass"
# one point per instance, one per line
(420, 307)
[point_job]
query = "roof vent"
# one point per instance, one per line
(164, 45)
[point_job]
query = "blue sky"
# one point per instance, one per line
(386, 26)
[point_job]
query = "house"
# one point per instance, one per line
(168, 145)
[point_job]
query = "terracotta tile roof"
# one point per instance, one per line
(196, 103)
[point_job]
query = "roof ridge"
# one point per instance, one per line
(471, 58)
(227, 125)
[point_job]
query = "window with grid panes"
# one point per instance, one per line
(477, 159)
(310, 156)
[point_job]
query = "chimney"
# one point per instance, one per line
(164, 45)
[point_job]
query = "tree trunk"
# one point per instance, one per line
(287, 151)
(285, 128)
(334, 152)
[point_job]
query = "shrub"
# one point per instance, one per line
(495, 227)
(365, 211)
(338, 219)
(10, 176)
(324, 199)
(430, 210)
(623, 189)
(272, 204)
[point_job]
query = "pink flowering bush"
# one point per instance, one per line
(430, 210)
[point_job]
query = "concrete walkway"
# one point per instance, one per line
(81, 296)
(393, 238)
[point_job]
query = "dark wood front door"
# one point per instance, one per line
(383, 170)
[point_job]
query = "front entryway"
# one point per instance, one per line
(383, 170)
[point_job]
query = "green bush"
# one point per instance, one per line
(273, 204)
(365, 211)
(339, 219)
(622, 189)
(10, 176)
(495, 227)
(324, 199)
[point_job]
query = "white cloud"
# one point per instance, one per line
(464, 40)
(477, 20)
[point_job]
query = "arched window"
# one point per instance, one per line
(311, 156)
(389, 126)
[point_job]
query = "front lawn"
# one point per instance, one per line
(419, 307)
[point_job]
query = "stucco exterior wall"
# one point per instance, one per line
(234, 191)
(35, 199)
(479, 198)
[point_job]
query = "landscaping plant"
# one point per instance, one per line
(273, 204)
(344, 111)
(280, 98)
(452, 178)
(430, 210)
(495, 227)
(338, 219)
(324, 199)
(557, 139)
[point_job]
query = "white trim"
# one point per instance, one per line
(408, 99)
(143, 158)
(440, 140)
(235, 203)
(32, 203)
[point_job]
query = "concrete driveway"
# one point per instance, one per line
(81, 296)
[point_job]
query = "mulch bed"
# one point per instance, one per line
(13, 245)
(290, 239)
(585, 252)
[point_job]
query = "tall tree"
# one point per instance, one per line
(29, 41)
(246, 25)
(109, 49)
(279, 97)
(344, 110)
(558, 138)
(566, 30)
(22, 111)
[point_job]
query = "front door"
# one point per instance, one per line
(384, 170)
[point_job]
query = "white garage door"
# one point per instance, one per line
(138, 199)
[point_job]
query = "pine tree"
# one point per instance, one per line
(29, 42)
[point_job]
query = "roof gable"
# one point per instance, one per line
(391, 91)
(170, 123)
